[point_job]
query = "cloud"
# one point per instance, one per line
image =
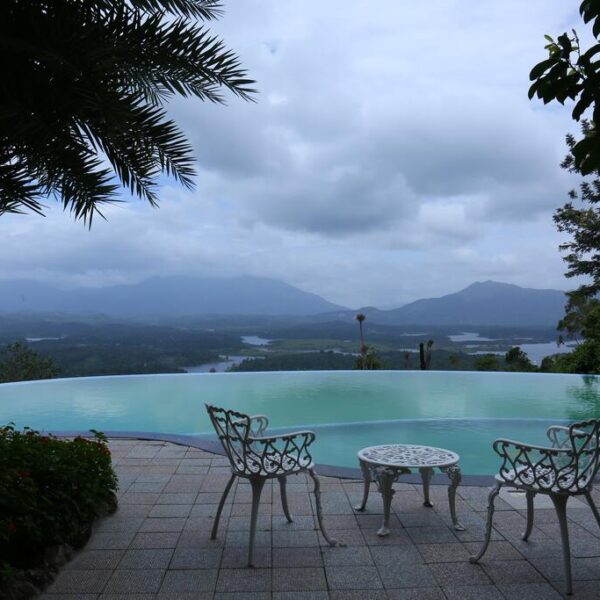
(392, 154)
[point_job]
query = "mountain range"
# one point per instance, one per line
(482, 303)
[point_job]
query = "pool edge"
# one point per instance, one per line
(216, 448)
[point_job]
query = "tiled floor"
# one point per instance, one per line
(157, 545)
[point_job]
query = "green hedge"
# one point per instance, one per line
(50, 491)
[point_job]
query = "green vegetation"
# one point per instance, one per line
(368, 359)
(572, 73)
(50, 491)
(20, 363)
(85, 83)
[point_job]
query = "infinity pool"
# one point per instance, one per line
(462, 411)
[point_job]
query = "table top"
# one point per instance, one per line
(408, 456)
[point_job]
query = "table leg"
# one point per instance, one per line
(366, 473)
(426, 475)
(454, 475)
(385, 483)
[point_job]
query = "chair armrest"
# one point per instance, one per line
(532, 465)
(282, 453)
(558, 435)
(258, 425)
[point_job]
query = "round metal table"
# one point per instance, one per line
(385, 464)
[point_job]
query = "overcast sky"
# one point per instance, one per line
(392, 155)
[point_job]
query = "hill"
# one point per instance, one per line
(482, 303)
(166, 296)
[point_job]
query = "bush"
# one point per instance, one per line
(50, 491)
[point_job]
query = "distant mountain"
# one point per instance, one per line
(166, 296)
(482, 303)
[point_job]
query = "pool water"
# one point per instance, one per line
(461, 411)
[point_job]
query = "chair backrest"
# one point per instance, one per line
(585, 447)
(233, 429)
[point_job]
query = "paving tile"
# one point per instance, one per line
(452, 552)
(300, 579)
(135, 581)
(196, 558)
(242, 596)
(406, 576)
(164, 524)
(431, 535)
(290, 539)
(244, 580)
(155, 540)
(96, 559)
(110, 541)
(353, 578)
(532, 591)
(201, 580)
(358, 595)
(297, 557)
(176, 498)
(390, 556)
(473, 592)
(153, 558)
(346, 557)
(237, 558)
(300, 596)
(170, 510)
(421, 593)
(457, 573)
(511, 571)
(80, 581)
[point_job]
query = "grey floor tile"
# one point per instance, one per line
(193, 581)
(129, 581)
(155, 540)
(433, 553)
(196, 558)
(297, 557)
(80, 581)
(353, 578)
(406, 576)
(421, 593)
(302, 579)
(244, 580)
(346, 557)
(96, 559)
(150, 558)
(458, 573)
(511, 571)
(531, 591)
(237, 558)
(473, 592)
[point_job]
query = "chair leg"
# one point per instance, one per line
(560, 504)
(488, 529)
(530, 496)
(284, 502)
(590, 501)
(257, 484)
(317, 492)
(364, 467)
(215, 528)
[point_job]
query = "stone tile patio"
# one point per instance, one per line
(157, 545)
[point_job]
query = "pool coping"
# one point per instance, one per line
(215, 447)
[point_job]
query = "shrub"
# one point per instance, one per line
(50, 491)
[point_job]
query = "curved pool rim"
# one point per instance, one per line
(326, 469)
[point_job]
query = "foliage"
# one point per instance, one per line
(517, 360)
(583, 225)
(300, 361)
(368, 360)
(571, 73)
(20, 363)
(487, 362)
(50, 489)
(83, 93)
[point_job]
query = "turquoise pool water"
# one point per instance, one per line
(462, 411)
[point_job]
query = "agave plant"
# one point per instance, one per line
(82, 100)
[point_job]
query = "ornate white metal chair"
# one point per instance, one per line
(258, 457)
(566, 468)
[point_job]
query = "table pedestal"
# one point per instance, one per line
(386, 475)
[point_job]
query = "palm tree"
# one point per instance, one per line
(83, 91)
(360, 317)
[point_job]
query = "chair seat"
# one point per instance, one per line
(544, 479)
